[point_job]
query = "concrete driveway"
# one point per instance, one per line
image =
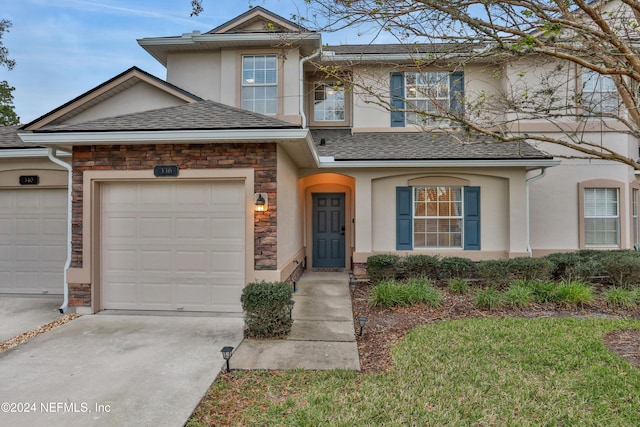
(22, 314)
(114, 370)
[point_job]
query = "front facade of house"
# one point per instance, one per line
(248, 163)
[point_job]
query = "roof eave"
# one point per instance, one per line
(298, 143)
(159, 47)
(330, 162)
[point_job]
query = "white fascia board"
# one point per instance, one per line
(328, 162)
(161, 137)
(27, 152)
(192, 39)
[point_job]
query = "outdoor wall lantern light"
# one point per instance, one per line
(290, 306)
(261, 201)
(361, 321)
(226, 354)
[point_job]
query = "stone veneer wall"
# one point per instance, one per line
(261, 157)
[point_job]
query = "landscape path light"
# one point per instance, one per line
(361, 322)
(226, 354)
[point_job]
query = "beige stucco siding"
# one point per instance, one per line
(198, 73)
(140, 97)
(290, 211)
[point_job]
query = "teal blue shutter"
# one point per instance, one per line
(397, 99)
(456, 86)
(404, 218)
(471, 218)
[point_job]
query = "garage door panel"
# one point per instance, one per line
(118, 260)
(157, 293)
(192, 262)
(27, 228)
(225, 262)
(191, 228)
(122, 292)
(156, 261)
(187, 238)
(53, 253)
(120, 227)
(155, 228)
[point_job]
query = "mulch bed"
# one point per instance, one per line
(386, 326)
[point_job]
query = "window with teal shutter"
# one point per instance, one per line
(429, 218)
(423, 91)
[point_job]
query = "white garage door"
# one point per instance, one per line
(33, 240)
(173, 246)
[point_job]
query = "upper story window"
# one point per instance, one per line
(328, 102)
(599, 94)
(260, 83)
(426, 92)
(416, 97)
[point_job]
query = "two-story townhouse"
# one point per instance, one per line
(250, 163)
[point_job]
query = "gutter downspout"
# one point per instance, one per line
(52, 154)
(302, 61)
(529, 181)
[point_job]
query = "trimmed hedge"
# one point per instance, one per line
(421, 265)
(618, 268)
(267, 310)
(452, 267)
(382, 267)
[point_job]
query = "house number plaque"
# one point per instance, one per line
(166, 170)
(29, 180)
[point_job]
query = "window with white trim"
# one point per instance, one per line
(259, 91)
(599, 94)
(428, 92)
(437, 217)
(602, 216)
(328, 102)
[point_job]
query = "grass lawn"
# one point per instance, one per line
(494, 372)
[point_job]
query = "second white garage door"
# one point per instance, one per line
(173, 246)
(33, 241)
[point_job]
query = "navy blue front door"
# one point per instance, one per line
(328, 230)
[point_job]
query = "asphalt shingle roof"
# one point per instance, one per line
(201, 115)
(343, 145)
(9, 138)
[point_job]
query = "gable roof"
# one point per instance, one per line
(111, 87)
(342, 145)
(256, 15)
(201, 115)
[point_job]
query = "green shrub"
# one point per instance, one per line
(572, 265)
(459, 286)
(623, 268)
(621, 297)
(543, 292)
(573, 292)
(526, 268)
(455, 268)
(421, 266)
(488, 298)
(266, 307)
(390, 293)
(382, 267)
(519, 294)
(494, 273)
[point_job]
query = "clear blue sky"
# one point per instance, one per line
(65, 47)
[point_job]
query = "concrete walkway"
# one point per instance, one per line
(322, 335)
